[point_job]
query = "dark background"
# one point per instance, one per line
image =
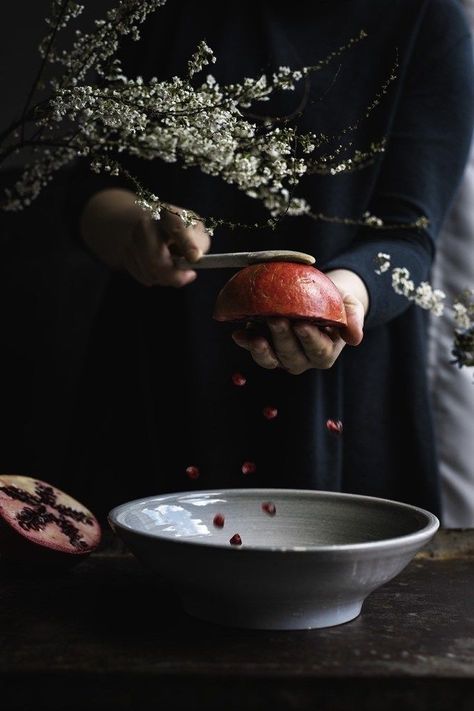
(49, 287)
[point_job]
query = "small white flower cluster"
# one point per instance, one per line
(372, 220)
(461, 316)
(32, 182)
(463, 309)
(382, 261)
(203, 56)
(433, 300)
(95, 49)
(423, 295)
(151, 204)
(335, 162)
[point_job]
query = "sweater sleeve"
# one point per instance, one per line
(427, 150)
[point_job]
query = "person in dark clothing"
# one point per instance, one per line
(157, 394)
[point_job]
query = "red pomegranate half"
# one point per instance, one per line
(287, 289)
(40, 522)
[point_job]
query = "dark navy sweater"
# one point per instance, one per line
(159, 368)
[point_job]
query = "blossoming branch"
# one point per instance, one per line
(433, 300)
(194, 124)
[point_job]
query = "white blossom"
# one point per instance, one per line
(383, 263)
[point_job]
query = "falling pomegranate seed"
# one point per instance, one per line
(270, 412)
(192, 472)
(334, 426)
(249, 468)
(239, 379)
(269, 508)
(235, 540)
(218, 521)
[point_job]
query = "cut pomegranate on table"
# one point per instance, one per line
(235, 540)
(38, 520)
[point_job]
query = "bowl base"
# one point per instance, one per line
(271, 617)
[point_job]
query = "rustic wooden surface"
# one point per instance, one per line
(104, 636)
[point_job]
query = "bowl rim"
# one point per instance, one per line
(417, 537)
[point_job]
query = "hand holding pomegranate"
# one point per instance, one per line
(126, 238)
(310, 317)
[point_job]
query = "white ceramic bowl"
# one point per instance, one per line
(309, 565)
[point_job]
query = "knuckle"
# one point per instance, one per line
(296, 370)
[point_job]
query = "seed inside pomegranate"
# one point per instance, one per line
(334, 426)
(239, 379)
(270, 412)
(235, 540)
(249, 468)
(192, 472)
(38, 520)
(218, 520)
(269, 508)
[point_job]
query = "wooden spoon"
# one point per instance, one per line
(236, 260)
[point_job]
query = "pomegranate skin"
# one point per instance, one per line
(286, 289)
(40, 523)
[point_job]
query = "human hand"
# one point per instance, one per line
(300, 346)
(126, 237)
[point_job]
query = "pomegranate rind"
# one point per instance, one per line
(16, 540)
(281, 289)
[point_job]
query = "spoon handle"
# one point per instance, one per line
(233, 260)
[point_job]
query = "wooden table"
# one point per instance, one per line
(105, 637)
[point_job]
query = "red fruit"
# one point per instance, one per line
(334, 426)
(218, 521)
(239, 379)
(249, 468)
(270, 413)
(37, 520)
(269, 508)
(288, 289)
(235, 540)
(192, 472)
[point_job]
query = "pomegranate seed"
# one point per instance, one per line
(218, 520)
(249, 468)
(235, 540)
(269, 508)
(334, 426)
(192, 472)
(270, 412)
(239, 379)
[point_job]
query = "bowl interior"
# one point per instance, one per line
(302, 519)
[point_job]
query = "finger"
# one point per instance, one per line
(189, 242)
(155, 261)
(353, 332)
(287, 347)
(168, 274)
(258, 347)
(321, 349)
